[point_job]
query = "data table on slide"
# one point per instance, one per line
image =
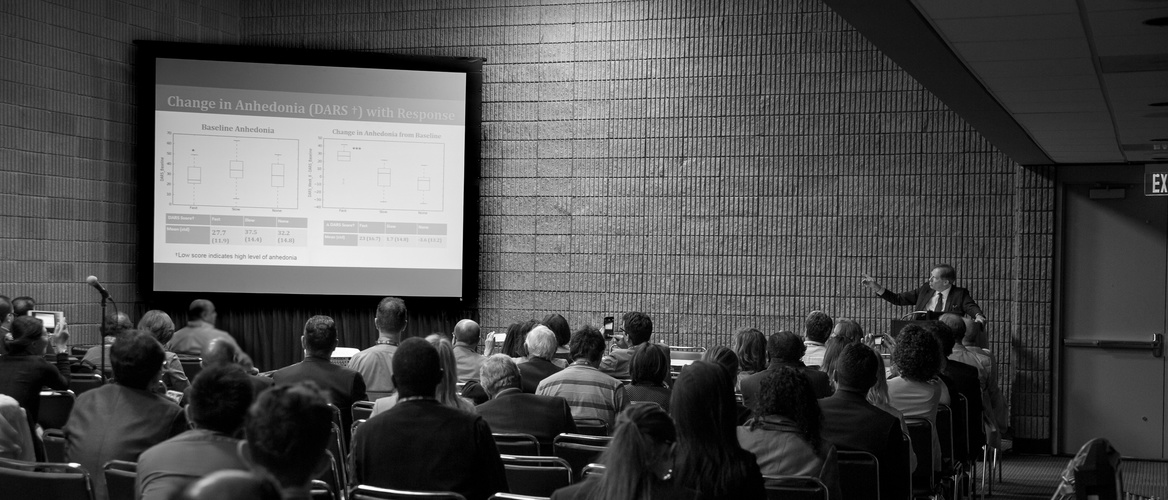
(239, 230)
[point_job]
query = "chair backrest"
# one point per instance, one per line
(54, 440)
(364, 492)
(794, 488)
(320, 490)
(356, 424)
(362, 410)
(861, 471)
(191, 365)
(516, 443)
(591, 426)
(945, 433)
(591, 469)
(962, 432)
(40, 481)
(344, 450)
(535, 475)
(690, 353)
(512, 496)
(579, 450)
(334, 474)
(920, 432)
(55, 408)
(81, 382)
(119, 479)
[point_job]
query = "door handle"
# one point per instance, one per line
(1156, 345)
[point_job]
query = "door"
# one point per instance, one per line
(1114, 282)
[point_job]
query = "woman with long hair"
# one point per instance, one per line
(784, 434)
(159, 324)
(447, 390)
(708, 457)
(752, 355)
(649, 368)
(636, 462)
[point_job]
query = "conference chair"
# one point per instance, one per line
(20, 480)
(55, 408)
(579, 449)
(365, 492)
(362, 410)
(860, 475)
(920, 432)
(794, 488)
(337, 422)
(119, 479)
(951, 465)
(191, 365)
(591, 470)
(591, 426)
(356, 424)
(334, 475)
(534, 475)
(514, 443)
(512, 496)
(81, 382)
(320, 490)
(54, 440)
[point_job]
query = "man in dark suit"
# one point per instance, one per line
(785, 349)
(938, 296)
(852, 423)
(512, 410)
(421, 444)
(344, 386)
(541, 347)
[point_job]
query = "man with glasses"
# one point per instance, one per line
(936, 297)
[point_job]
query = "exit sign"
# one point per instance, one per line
(1156, 181)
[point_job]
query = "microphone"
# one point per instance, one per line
(93, 282)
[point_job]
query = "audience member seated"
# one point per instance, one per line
(559, 326)
(541, 348)
(996, 402)
(832, 349)
(817, 329)
(120, 420)
(848, 329)
(447, 391)
(784, 350)
(637, 461)
(234, 485)
(638, 328)
(287, 432)
(590, 393)
(15, 434)
(785, 434)
(226, 354)
(852, 423)
(115, 324)
(159, 324)
(196, 337)
(219, 398)
(708, 457)
(649, 369)
(375, 364)
(23, 371)
(725, 357)
(751, 348)
(986, 371)
(917, 391)
(421, 444)
(960, 378)
(344, 386)
(512, 410)
(6, 318)
(878, 396)
(466, 350)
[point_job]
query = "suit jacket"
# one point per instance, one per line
(533, 371)
(544, 417)
(344, 386)
(854, 424)
(957, 300)
(423, 445)
(752, 384)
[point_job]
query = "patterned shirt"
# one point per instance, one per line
(590, 393)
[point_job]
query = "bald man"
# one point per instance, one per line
(466, 354)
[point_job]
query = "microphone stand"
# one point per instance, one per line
(102, 330)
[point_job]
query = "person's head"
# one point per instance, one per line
(391, 316)
(28, 336)
(956, 325)
(447, 390)
(515, 344)
(831, 352)
(219, 399)
(638, 327)
(640, 453)
(786, 392)
(22, 305)
(945, 338)
(417, 369)
(497, 373)
(856, 367)
(971, 332)
(201, 310)
(467, 332)
(231, 484)
(220, 352)
(817, 326)
(918, 354)
(587, 344)
(785, 347)
(6, 314)
(724, 357)
(159, 325)
(942, 277)
(541, 343)
(559, 326)
(287, 432)
(702, 406)
(320, 336)
(650, 365)
(136, 358)
(117, 323)
(848, 329)
(752, 350)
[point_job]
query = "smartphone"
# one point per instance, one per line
(499, 337)
(49, 318)
(608, 327)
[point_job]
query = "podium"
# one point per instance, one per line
(912, 318)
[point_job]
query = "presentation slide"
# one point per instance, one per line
(274, 178)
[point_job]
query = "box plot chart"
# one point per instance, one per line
(226, 171)
(382, 175)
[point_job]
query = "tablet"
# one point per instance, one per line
(49, 318)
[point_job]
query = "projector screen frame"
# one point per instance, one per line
(147, 55)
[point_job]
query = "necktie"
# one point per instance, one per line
(940, 307)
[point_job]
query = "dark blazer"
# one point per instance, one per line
(532, 371)
(854, 424)
(344, 386)
(957, 300)
(751, 385)
(544, 417)
(423, 445)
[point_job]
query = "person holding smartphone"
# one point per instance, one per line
(23, 370)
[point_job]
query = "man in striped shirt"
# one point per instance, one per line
(590, 393)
